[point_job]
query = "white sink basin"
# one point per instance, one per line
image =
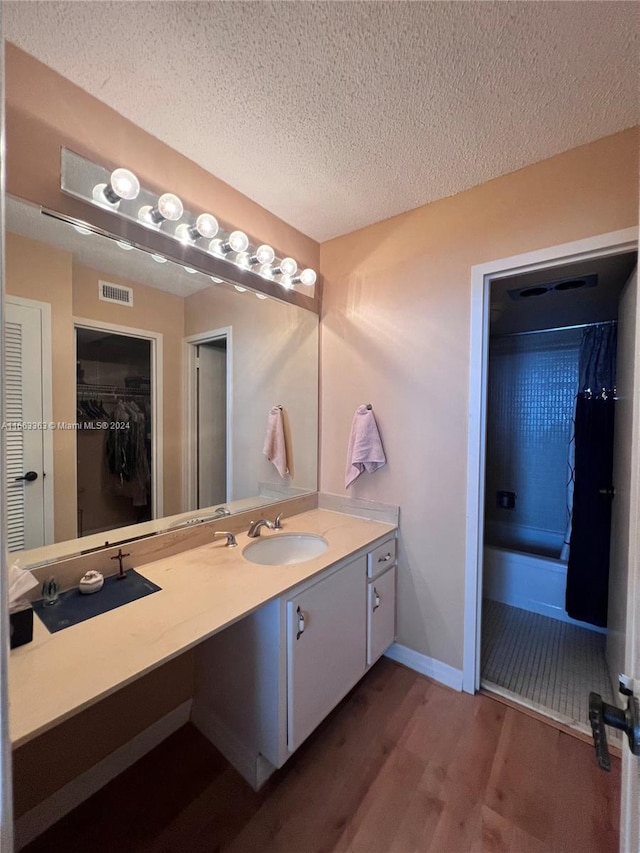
(284, 549)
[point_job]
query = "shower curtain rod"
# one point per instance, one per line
(556, 329)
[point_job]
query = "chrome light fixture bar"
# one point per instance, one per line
(119, 191)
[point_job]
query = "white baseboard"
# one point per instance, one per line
(46, 813)
(442, 672)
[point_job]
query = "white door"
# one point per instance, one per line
(26, 433)
(212, 424)
(623, 643)
(621, 519)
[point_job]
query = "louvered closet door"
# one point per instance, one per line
(24, 447)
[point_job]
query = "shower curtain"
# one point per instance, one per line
(588, 566)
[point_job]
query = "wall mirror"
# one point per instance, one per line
(138, 391)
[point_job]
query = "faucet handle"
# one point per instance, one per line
(231, 539)
(277, 524)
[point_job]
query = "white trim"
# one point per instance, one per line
(46, 813)
(425, 665)
(188, 479)
(157, 401)
(613, 243)
(47, 407)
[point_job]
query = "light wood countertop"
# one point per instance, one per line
(203, 591)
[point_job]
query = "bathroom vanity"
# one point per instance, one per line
(264, 684)
(264, 678)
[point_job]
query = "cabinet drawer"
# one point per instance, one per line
(381, 615)
(381, 558)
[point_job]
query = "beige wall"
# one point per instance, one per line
(153, 310)
(274, 351)
(34, 270)
(395, 331)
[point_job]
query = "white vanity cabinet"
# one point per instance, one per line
(265, 683)
(326, 639)
(381, 599)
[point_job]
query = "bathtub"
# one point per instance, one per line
(522, 567)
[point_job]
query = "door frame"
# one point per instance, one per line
(157, 407)
(47, 406)
(612, 243)
(189, 482)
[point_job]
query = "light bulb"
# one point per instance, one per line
(215, 247)
(126, 246)
(238, 241)
(207, 226)
(265, 254)
(262, 296)
(288, 266)
(183, 233)
(82, 230)
(287, 282)
(217, 280)
(190, 270)
(124, 184)
(240, 289)
(170, 207)
(308, 277)
(243, 260)
(98, 195)
(266, 271)
(159, 259)
(145, 215)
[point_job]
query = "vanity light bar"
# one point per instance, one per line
(120, 192)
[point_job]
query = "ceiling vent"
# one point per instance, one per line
(108, 292)
(562, 286)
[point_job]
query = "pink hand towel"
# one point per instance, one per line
(275, 448)
(365, 452)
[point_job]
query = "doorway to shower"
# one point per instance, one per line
(532, 651)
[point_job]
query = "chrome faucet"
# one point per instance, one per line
(231, 539)
(222, 510)
(256, 526)
(277, 524)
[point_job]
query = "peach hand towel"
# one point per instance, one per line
(365, 452)
(275, 448)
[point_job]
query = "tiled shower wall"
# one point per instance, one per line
(532, 386)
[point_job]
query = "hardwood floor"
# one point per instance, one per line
(403, 765)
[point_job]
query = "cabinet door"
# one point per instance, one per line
(381, 622)
(326, 628)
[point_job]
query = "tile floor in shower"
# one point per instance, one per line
(552, 665)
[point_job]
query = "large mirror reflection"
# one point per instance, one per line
(142, 395)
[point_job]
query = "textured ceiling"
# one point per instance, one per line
(333, 115)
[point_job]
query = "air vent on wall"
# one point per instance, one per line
(108, 292)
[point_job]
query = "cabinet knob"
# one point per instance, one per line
(385, 559)
(376, 599)
(300, 615)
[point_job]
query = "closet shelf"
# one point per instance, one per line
(115, 390)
